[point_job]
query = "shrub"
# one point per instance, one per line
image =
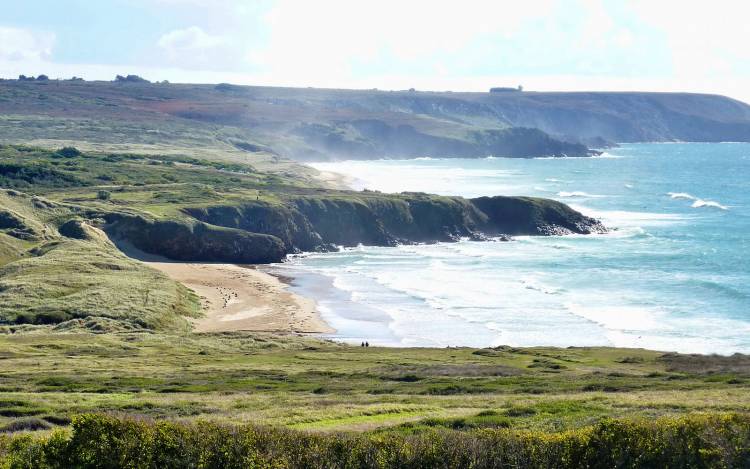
(68, 152)
(130, 79)
(103, 195)
(25, 424)
(98, 441)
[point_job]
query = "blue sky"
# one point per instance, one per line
(654, 45)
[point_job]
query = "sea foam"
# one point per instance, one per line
(576, 194)
(708, 203)
(697, 203)
(681, 195)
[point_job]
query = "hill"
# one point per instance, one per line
(266, 124)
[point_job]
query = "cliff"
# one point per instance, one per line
(187, 241)
(307, 223)
(266, 124)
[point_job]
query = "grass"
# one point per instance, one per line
(46, 278)
(320, 386)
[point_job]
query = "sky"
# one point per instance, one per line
(467, 45)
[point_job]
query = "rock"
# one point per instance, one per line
(74, 229)
(185, 241)
(262, 232)
(328, 247)
(533, 216)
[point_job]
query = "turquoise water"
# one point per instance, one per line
(673, 275)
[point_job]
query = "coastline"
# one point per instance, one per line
(242, 298)
(238, 297)
(352, 321)
(332, 179)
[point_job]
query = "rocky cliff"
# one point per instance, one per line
(195, 241)
(258, 231)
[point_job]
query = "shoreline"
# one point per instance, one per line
(242, 298)
(238, 297)
(353, 322)
(332, 179)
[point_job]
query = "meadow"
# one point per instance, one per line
(121, 399)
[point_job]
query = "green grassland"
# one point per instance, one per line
(49, 375)
(258, 124)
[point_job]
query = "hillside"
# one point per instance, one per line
(60, 209)
(266, 125)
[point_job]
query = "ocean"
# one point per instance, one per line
(673, 275)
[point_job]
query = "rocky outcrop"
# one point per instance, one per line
(257, 232)
(279, 220)
(533, 216)
(195, 241)
(311, 222)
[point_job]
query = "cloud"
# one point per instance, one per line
(335, 36)
(190, 44)
(707, 39)
(193, 48)
(24, 45)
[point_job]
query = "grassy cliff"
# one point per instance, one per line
(265, 124)
(59, 269)
(260, 124)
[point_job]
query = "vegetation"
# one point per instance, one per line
(55, 267)
(98, 363)
(185, 400)
(103, 441)
(52, 373)
(217, 120)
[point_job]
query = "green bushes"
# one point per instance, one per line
(99, 441)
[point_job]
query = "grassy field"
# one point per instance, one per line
(48, 376)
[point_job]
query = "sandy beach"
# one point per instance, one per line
(237, 298)
(334, 180)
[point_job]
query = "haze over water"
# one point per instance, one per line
(674, 275)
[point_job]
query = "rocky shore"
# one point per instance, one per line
(262, 232)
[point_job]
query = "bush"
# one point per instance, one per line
(25, 424)
(99, 441)
(130, 79)
(68, 152)
(103, 195)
